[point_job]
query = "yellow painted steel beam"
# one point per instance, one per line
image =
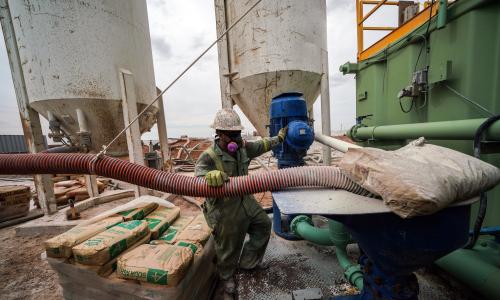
(359, 13)
(398, 33)
(379, 28)
(377, 2)
(372, 11)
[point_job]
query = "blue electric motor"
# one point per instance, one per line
(290, 109)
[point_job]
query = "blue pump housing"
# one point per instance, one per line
(290, 109)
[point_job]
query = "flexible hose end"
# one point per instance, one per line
(297, 220)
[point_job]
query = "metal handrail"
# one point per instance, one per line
(429, 10)
(361, 18)
(372, 11)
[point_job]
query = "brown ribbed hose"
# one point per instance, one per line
(73, 163)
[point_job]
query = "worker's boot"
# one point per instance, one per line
(229, 286)
(261, 266)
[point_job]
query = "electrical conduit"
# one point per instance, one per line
(59, 163)
(335, 235)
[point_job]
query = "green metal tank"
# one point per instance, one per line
(441, 80)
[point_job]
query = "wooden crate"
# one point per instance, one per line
(14, 201)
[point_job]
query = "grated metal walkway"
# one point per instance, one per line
(295, 265)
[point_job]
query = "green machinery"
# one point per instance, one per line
(440, 80)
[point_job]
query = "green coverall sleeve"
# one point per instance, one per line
(257, 148)
(203, 165)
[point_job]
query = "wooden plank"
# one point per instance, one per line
(105, 197)
(33, 214)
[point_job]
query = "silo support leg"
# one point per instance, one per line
(91, 182)
(161, 122)
(133, 134)
(45, 193)
(325, 108)
(223, 54)
(30, 119)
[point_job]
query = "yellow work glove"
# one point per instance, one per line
(216, 178)
(282, 134)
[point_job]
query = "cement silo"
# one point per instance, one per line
(73, 54)
(280, 46)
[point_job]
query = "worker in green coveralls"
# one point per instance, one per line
(232, 218)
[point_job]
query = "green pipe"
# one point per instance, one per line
(479, 267)
(340, 238)
(303, 226)
(335, 235)
(348, 68)
(441, 19)
(445, 130)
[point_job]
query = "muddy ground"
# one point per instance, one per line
(24, 274)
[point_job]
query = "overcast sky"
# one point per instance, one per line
(180, 30)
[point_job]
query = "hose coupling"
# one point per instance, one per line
(297, 220)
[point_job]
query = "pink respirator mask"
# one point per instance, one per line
(232, 147)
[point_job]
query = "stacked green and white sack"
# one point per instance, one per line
(195, 235)
(119, 238)
(61, 246)
(170, 235)
(110, 243)
(161, 219)
(97, 244)
(166, 260)
(158, 264)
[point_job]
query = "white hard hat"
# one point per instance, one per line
(227, 119)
